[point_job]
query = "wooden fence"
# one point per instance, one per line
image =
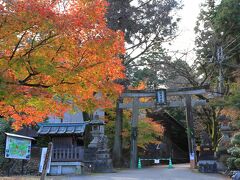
(67, 154)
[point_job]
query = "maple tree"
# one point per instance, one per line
(55, 53)
(149, 131)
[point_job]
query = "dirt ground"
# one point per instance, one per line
(20, 178)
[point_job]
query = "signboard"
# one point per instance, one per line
(161, 96)
(156, 161)
(18, 147)
(43, 156)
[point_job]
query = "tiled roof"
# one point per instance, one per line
(61, 128)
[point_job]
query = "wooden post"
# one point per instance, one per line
(134, 133)
(47, 159)
(190, 132)
(117, 146)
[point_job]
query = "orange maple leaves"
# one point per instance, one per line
(53, 53)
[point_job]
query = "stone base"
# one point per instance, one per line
(221, 166)
(207, 166)
(103, 166)
(64, 168)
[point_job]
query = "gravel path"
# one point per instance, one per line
(179, 172)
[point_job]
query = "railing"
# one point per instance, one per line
(68, 154)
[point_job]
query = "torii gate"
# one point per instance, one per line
(135, 105)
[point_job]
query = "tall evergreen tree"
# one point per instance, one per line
(144, 22)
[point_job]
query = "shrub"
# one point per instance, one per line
(5, 164)
(230, 163)
(234, 151)
(234, 161)
(236, 139)
(223, 158)
(237, 163)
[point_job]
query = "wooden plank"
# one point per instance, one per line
(170, 104)
(72, 153)
(64, 154)
(75, 156)
(68, 153)
(55, 154)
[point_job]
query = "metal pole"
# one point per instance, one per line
(221, 79)
(220, 59)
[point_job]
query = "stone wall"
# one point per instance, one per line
(25, 167)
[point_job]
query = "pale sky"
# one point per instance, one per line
(185, 41)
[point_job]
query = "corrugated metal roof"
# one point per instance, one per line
(19, 136)
(61, 128)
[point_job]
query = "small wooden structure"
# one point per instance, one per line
(67, 140)
(67, 136)
(72, 149)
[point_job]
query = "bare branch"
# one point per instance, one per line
(17, 45)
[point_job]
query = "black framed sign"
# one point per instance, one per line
(161, 96)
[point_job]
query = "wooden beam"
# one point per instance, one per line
(143, 105)
(170, 92)
(189, 92)
(137, 94)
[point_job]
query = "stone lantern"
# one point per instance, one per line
(99, 146)
(97, 132)
(225, 123)
(226, 131)
(224, 142)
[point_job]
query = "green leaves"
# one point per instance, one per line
(234, 162)
(36, 102)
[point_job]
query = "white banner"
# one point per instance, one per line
(43, 156)
(192, 156)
